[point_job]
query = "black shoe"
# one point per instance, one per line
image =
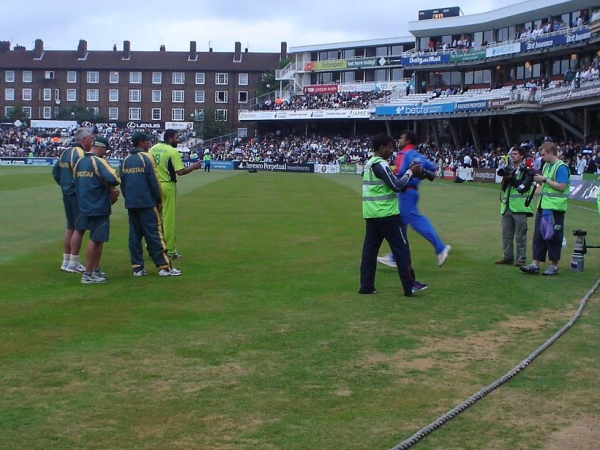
(374, 291)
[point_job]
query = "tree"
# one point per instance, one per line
(17, 113)
(215, 128)
(80, 114)
(267, 82)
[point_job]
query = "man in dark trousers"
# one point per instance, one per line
(143, 200)
(383, 220)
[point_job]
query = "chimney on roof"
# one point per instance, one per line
(284, 53)
(82, 49)
(4, 46)
(210, 49)
(237, 56)
(19, 48)
(39, 49)
(192, 50)
(126, 49)
(163, 48)
(114, 47)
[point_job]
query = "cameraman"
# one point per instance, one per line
(517, 185)
(550, 211)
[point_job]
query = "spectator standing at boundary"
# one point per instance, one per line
(63, 172)
(95, 182)
(514, 212)
(143, 200)
(168, 166)
(409, 197)
(551, 210)
(382, 218)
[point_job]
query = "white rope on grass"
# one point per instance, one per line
(423, 432)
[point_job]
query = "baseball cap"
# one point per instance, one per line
(139, 136)
(102, 142)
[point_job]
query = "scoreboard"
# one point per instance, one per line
(439, 13)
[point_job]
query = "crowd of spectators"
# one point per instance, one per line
(318, 148)
(338, 100)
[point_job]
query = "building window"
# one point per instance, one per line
(113, 113)
(49, 75)
(93, 95)
(135, 95)
(135, 113)
(178, 78)
(57, 94)
(71, 95)
(71, 76)
(221, 96)
(200, 78)
(177, 96)
(26, 95)
(221, 115)
(8, 110)
(135, 77)
(243, 79)
(27, 76)
(27, 111)
(113, 95)
(156, 77)
(93, 77)
(177, 114)
(47, 95)
(221, 78)
(9, 76)
(156, 114)
(243, 132)
(95, 110)
(47, 112)
(113, 77)
(243, 97)
(199, 96)
(156, 96)
(9, 95)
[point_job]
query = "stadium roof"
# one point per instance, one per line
(499, 18)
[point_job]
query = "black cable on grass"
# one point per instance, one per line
(423, 432)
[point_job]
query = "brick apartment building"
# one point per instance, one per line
(147, 88)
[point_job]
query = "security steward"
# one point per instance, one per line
(382, 217)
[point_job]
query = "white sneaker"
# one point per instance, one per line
(443, 255)
(172, 272)
(387, 260)
(64, 266)
(75, 268)
(140, 273)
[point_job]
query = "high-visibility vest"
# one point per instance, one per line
(378, 200)
(551, 198)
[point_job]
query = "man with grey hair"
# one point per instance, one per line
(63, 172)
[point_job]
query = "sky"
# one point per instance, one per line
(260, 25)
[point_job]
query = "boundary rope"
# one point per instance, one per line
(423, 432)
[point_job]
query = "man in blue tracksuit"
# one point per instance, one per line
(143, 200)
(95, 182)
(409, 198)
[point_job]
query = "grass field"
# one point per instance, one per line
(264, 343)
